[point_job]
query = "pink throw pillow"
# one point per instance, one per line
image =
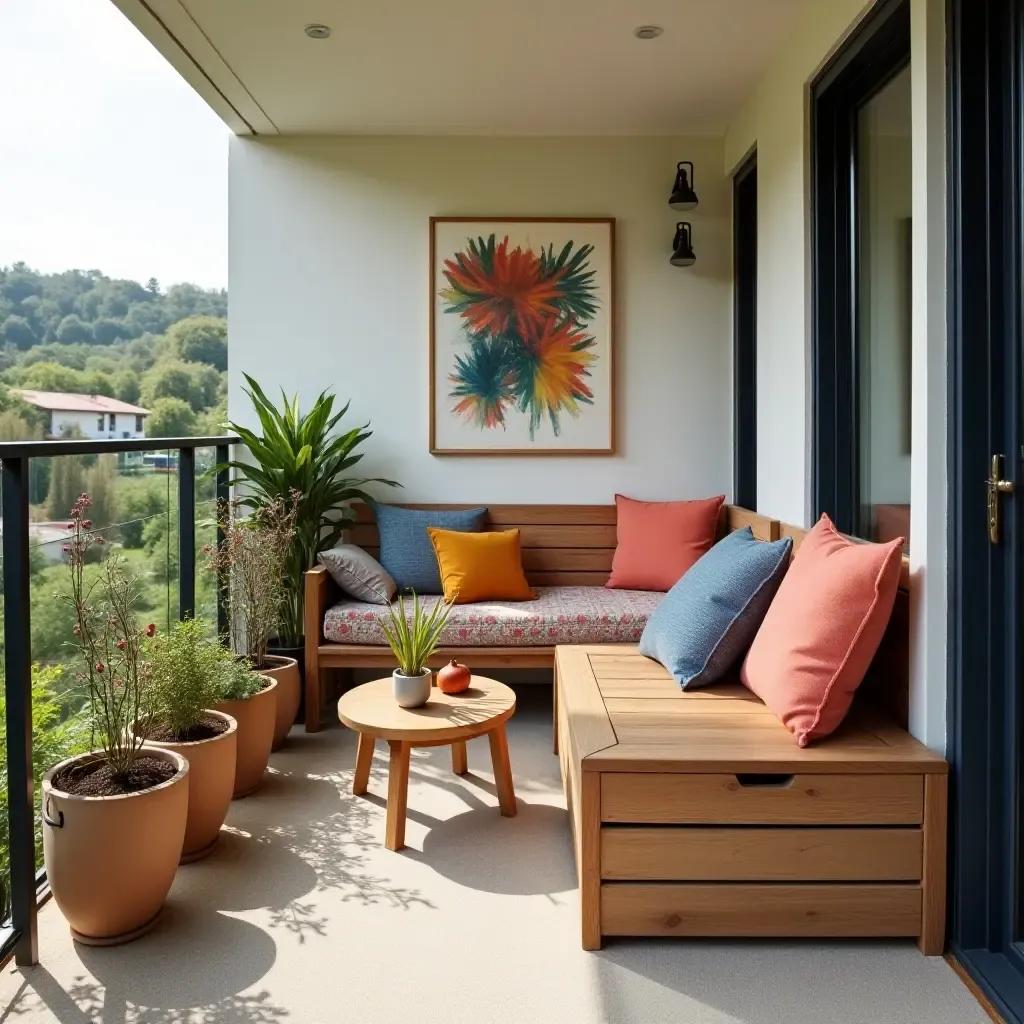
(657, 541)
(822, 630)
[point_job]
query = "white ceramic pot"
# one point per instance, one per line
(411, 691)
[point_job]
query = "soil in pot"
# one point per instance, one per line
(210, 747)
(289, 692)
(255, 717)
(110, 859)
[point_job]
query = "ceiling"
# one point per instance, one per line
(518, 67)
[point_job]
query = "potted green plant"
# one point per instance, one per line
(413, 639)
(114, 818)
(300, 453)
(249, 698)
(251, 567)
(186, 669)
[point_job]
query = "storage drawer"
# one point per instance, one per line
(779, 911)
(681, 799)
(674, 853)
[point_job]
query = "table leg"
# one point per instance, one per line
(364, 756)
(502, 771)
(398, 795)
(459, 763)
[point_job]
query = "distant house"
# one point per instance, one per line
(96, 416)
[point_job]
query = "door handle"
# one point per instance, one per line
(996, 485)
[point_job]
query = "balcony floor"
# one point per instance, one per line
(302, 915)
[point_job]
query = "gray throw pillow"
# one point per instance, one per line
(358, 574)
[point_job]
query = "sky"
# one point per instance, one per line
(108, 159)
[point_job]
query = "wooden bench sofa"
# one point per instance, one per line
(563, 546)
(696, 814)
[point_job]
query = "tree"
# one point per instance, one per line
(67, 483)
(201, 339)
(170, 378)
(206, 385)
(73, 328)
(106, 330)
(14, 428)
(17, 331)
(170, 417)
(101, 485)
(52, 377)
(126, 386)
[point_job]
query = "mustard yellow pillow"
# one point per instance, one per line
(480, 566)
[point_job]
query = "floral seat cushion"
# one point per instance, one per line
(560, 615)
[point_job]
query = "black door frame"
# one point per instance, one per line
(985, 190)
(876, 51)
(744, 321)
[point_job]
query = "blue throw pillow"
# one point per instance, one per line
(708, 619)
(405, 549)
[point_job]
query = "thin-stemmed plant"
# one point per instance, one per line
(414, 640)
(251, 571)
(111, 644)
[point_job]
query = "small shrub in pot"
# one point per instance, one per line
(186, 667)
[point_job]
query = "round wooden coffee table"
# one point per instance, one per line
(445, 719)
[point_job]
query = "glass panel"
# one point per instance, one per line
(883, 310)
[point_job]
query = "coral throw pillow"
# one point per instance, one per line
(480, 566)
(822, 630)
(657, 541)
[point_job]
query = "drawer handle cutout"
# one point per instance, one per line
(759, 781)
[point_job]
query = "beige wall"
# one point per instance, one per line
(775, 119)
(328, 289)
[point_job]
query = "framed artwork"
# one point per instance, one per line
(521, 336)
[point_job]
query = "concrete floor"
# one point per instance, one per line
(301, 915)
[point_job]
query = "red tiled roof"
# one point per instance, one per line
(58, 401)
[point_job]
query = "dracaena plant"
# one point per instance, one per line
(302, 452)
(413, 639)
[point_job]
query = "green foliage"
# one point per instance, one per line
(194, 383)
(17, 332)
(186, 672)
(413, 639)
(141, 501)
(160, 542)
(14, 428)
(299, 452)
(101, 485)
(55, 736)
(170, 417)
(67, 482)
(126, 386)
(201, 339)
(73, 329)
(238, 681)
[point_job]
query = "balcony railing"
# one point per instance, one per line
(26, 883)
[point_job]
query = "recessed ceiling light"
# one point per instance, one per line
(648, 31)
(317, 31)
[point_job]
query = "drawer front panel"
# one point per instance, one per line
(680, 799)
(760, 854)
(779, 911)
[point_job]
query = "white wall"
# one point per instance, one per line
(88, 424)
(328, 288)
(776, 120)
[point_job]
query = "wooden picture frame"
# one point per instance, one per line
(528, 371)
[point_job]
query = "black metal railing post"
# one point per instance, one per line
(21, 808)
(186, 533)
(222, 495)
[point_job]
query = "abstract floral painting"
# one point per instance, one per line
(521, 336)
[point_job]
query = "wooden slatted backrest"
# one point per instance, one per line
(887, 683)
(563, 545)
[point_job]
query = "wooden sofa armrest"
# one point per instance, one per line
(316, 594)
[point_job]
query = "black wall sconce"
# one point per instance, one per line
(683, 197)
(682, 247)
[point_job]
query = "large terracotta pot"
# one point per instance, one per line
(255, 717)
(211, 781)
(289, 690)
(110, 860)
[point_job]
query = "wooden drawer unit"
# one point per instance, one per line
(760, 854)
(695, 814)
(760, 798)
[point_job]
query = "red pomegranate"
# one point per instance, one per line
(453, 678)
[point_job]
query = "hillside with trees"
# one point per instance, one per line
(85, 333)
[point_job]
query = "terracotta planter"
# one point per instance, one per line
(110, 860)
(255, 718)
(289, 690)
(211, 781)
